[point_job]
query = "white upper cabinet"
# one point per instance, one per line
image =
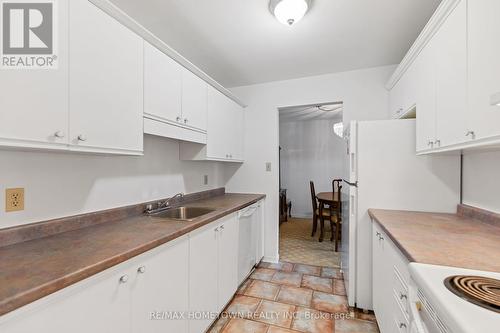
(484, 68)
(225, 128)
(425, 92)
(106, 82)
(194, 101)
(34, 102)
(451, 78)
(162, 85)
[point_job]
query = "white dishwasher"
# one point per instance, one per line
(247, 249)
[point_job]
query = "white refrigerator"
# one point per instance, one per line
(383, 171)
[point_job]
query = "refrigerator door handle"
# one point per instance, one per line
(351, 184)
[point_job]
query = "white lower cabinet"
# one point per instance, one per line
(390, 283)
(160, 289)
(213, 269)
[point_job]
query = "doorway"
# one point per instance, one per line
(311, 148)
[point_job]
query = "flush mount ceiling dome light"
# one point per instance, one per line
(289, 12)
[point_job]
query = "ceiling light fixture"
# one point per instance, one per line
(289, 12)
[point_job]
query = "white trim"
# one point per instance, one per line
(273, 260)
(477, 144)
(435, 22)
(148, 36)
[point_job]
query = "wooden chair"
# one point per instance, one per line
(336, 211)
(316, 217)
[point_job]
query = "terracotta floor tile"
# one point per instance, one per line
(329, 303)
(329, 272)
(355, 326)
(281, 266)
(243, 286)
(264, 274)
(312, 321)
(276, 329)
(274, 313)
(239, 325)
(339, 287)
(219, 325)
(307, 269)
(317, 283)
(262, 289)
(294, 295)
(293, 278)
(243, 306)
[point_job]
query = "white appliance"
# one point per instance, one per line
(249, 235)
(435, 309)
(383, 171)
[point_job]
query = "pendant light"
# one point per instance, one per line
(289, 12)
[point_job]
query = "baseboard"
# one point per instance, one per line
(273, 260)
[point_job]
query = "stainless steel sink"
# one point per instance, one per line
(183, 213)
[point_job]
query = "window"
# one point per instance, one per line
(338, 129)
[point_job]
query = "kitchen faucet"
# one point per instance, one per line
(163, 205)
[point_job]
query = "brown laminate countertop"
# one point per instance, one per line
(33, 269)
(442, 239)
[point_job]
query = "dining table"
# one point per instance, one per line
(330, 199)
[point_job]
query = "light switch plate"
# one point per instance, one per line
(14, 199)
(268, 166)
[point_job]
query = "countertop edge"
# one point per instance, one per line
(34, 294)
(400, 247)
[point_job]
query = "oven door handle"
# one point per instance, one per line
(415, 308)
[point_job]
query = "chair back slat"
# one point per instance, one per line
(313, 196)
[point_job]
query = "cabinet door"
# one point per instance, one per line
(194, 100)
(382, 288)
(236, 130)
(106, 81)
(451, 78)
(228, 260)
(34, 102)
(218, 124)
(203, 267)
(425, 88)
(484, 67)
(161, 285)
(162, 85)
(100, 304)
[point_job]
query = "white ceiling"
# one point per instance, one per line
(238, 42)
(311, 112)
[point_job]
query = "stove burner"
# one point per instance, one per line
(479, 290)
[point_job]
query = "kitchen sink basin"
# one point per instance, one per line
(183, 213)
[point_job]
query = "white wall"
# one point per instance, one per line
(310, 151)
(481, 180)
(364, 97)
(63, 184)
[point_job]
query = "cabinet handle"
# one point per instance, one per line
(185, 120)
(472, 134)
(82, 138)
(430, 143)
(438, 142)
(402, 325)
(59, 134)
(402, 296)
(380, 238)
(124, 279)
(399, 110)
(227, 155)
(222, 227)
(141, 269)
(230, 155)
(178, 118)
(378, 234)
(216, 229)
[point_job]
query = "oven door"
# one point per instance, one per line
(421, 320)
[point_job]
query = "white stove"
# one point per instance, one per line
(436, 309)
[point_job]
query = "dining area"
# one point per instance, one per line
(327, 207)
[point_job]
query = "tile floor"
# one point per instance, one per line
(288, 298)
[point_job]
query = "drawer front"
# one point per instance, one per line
(400, 290)
(401, 321)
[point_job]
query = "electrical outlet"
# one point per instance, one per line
(14, 199)
(268, 166)
(205, 179)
